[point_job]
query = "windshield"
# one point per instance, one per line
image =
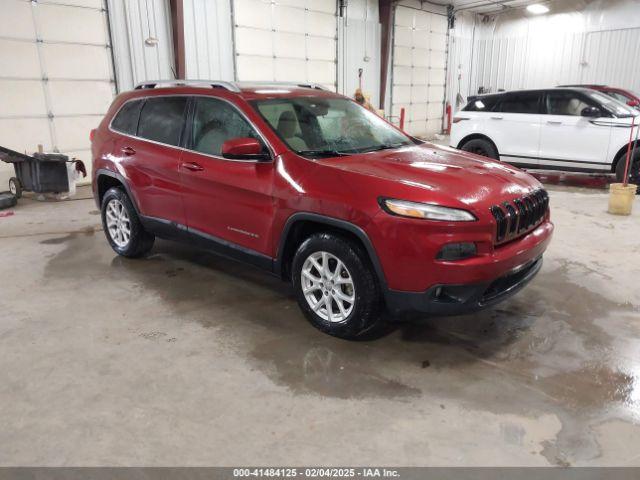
(317, 127)
(612, 105)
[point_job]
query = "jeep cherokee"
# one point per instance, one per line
(316, 189)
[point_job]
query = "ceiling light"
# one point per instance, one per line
(537, 8)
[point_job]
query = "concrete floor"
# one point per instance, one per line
(185, 358)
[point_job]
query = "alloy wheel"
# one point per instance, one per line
(118, 223)
(328, 286)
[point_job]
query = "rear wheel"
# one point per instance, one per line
(15, 187)
(634, 168)
(336, 286)
(482, 147)
(122, 227)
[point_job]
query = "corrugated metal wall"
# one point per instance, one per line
(561, 49)
(359, 48)
(208, 39)
(459, 67)
(142, 41)
(612, 57)
(608, 57)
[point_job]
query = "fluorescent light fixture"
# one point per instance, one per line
(537, 8)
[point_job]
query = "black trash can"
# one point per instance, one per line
(40, 173)
(43, 173)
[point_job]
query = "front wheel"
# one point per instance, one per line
(482, 147)
(634, 168)
(336, 286)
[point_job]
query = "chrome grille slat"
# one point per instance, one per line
(520, 215)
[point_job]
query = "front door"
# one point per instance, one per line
(230, 200)
(569, 140)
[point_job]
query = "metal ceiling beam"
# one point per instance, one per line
(177, 30)
(385, 10)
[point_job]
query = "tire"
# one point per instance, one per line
(117, 205)
(7, 200)
(482, 147)
(357, 281)
(15, 187)
(634, 175)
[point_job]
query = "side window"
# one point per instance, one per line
(162, 119)
(526, 102)
(290, 123)
(618, 96)
(214, 122)
(126, 120)
(565, 103)
(481, 104)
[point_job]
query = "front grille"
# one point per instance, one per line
(516, 218)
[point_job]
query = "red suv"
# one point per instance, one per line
(625, 96)
(312, 187)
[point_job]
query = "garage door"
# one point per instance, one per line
(419, 70)
(287, 40)
(56, 79)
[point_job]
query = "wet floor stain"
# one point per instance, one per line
(546, 350)
(323, 370)
(87, 231)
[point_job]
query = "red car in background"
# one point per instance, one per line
(625, 96)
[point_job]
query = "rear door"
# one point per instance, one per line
(151, 158)
(515, 127)
(569, 140)
(230, 200)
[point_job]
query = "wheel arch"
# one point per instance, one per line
(301, 225)
(106, 179)
(620, 154)
(477, 136)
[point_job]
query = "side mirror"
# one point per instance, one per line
(591, 112)
(244, 148)
(633, 103)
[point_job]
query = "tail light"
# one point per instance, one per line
(92, 134)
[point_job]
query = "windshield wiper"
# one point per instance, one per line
(384, 146)
(322, 153)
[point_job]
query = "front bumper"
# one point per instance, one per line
(465, 298)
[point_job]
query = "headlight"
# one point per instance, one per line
(426, 211)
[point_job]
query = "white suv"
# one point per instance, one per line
(572, 129)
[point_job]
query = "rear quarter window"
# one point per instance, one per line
(162, 119)
(126, 120)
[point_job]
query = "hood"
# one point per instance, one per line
(441, 174)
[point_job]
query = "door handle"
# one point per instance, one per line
(496, 118)
(194, 167)
(128, 151)
(551, 122)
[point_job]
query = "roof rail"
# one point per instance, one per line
(315, 86)
(231, 86)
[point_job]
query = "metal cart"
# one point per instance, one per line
(40, 173)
